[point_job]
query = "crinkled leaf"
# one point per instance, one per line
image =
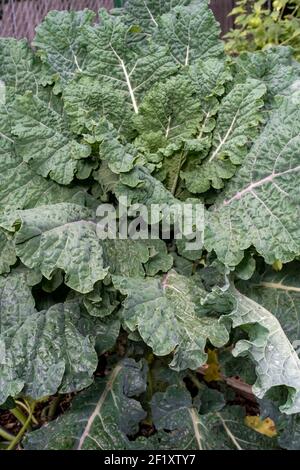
(167, 314)
(60, 45)
(260, 205)
(145, 13)
(87, 102)
(20, 186)
(20, 68)
(171, 112)
(102, 301)
(274, 66)
(7, 250)
(276, 361)
(43, 140)
(190, 32)
(209, 78)
(237, 125)
(134, 258)
(278, 292)
(140, 187)
(71, 230)
(120, 156)
(45, 352)
(16, 300)
(173, 410)
(99, 417)
(133, 68)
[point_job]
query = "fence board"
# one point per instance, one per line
(221, 8)
(19, 18)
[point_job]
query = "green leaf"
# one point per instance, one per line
(276, 361)
(44, 352)
(160, 260)
(131, 66)
(259, 206)
(274, 66)
(86, 102)
(140, 187)
(16, 300)
(167, 314)
(71, 230)
(120, 157)
(246, 268)
(135, 258)
(171, 112)
(209, 78)
(173, 410)
(102, 301)
(278, 292)
(146, 13)
(290, 435)
(190, 32)
(20, 68)
(43, 140)
(99, 417)
(237, 125)
(60, 44)
(7, 250)
(20, 186)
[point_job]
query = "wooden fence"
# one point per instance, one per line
(18, 18)
(221, 9)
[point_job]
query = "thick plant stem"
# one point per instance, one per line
(22, 405)
(6, 435)
(19, 415)
(22, 431)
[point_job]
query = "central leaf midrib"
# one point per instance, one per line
(99, 405)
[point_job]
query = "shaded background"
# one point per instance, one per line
(18, 18)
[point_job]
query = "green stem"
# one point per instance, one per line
(6, 435)
(291, 38)
(19, 415)
(22, 431)
(22, 405)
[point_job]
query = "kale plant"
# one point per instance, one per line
(145, 105)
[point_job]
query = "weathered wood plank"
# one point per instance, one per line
(20, 17)
(221, 8)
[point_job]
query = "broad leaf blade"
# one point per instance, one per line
(237, 124)
(276, 361)
(133, 67)
(146, 13)
(46, 352)
(71, 230)
(60, 45)
(174, 411)
(20, 68)
(43, 140)
(167, 314)
(260, 205)
(95, 419)
(191, 33)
